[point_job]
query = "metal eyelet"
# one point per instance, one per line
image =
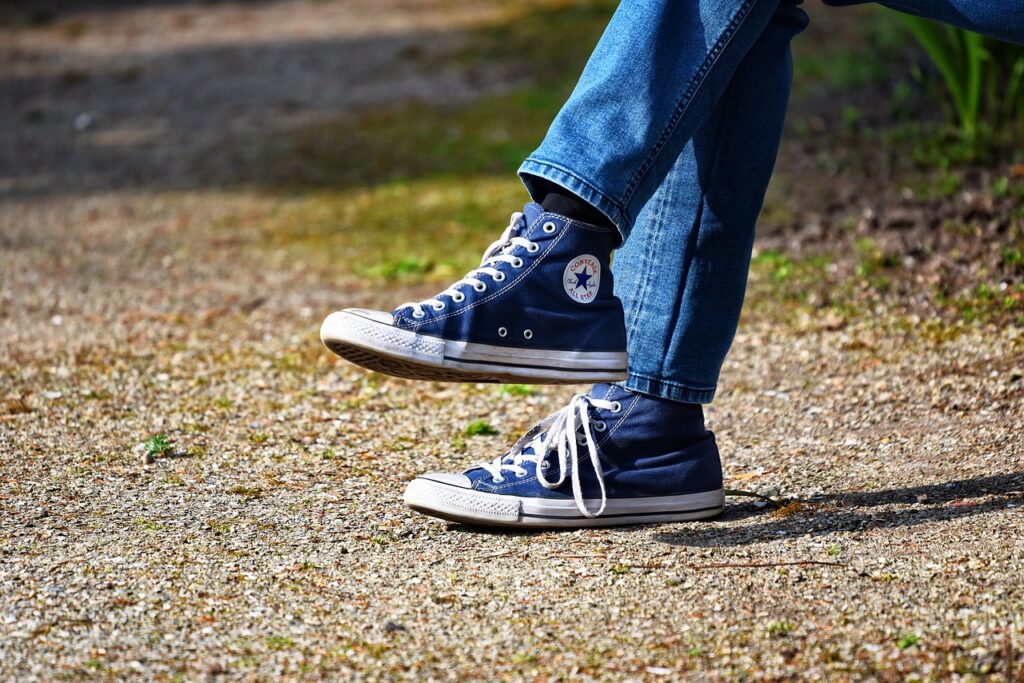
(600, 426)
(500, 277)
(528, 334)
(502, 332)
(550, 227)
(458, 297)
(544, 465)
(533, 248)
(439, 306)
(480, 287)
(520, 475)
(518, 263)
(497, 480)
(616, 407)
(418, 314)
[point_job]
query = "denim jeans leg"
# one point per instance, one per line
(650, 83)
(996, 18)
(683, 272)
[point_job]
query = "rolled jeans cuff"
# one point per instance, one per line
(673, 391)
(579, 186)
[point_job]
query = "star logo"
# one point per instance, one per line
(582, 278)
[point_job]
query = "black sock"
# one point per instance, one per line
(559, 200)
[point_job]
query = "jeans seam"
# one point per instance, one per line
(649, 251)
(684, 102)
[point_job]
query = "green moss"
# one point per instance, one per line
(480, 428)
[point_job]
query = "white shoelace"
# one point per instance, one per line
(561, 437)
(498, 252)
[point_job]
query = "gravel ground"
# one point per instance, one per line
(269, 541)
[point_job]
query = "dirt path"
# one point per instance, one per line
(270, 540)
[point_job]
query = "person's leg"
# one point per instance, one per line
(541, 307)
(683, 272)
(652, 81)
(996, 18)
(643, 454)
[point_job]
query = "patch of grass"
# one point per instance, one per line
(149, 524)
(620, 569)
(908, 641)
(517, 390)
(409, 231)
(778, 265)
(480, 427)
(158, 445)
(992, 303)
(278, 643)
(1013, 257)
(259, 437)
(779, 281)
(780, 629)
(874, 264)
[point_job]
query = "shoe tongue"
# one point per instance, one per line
(604, 391)
(531, 211)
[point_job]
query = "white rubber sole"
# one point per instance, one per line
(367, 338)
(460, 504)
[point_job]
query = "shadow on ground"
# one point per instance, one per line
(852, 512)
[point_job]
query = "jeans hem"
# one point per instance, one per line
(673, 391)
(579, 186)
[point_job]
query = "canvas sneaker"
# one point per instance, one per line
(609, 457)
(539, 309)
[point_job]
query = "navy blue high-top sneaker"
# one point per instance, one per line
(539, 309)
(609, 457)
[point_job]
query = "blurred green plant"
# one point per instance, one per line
(982, 77)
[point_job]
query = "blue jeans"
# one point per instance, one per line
(672, 133)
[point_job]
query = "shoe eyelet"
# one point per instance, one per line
(498, 480)
(550, 227)
(544, 465)
(528, 334)
(418, 314)
(500, 277)
(439, 306)
(502, 332)
(520, 475)
(600, 425)
(458, 297)
(533, 248)
(518, 263)
(480, 287)
(616, 407)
